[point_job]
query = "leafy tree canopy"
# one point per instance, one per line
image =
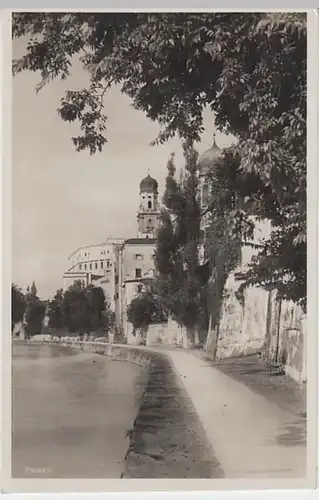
(18, 305)
(145, 308)
(80, 309)
(55, 311)
(35, 311)
(236, 195)
(249, 69)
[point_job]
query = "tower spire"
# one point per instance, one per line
(214, 139)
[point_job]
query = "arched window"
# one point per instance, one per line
(149, 204)
(205, 194)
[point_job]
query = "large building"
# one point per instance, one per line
(121, 266)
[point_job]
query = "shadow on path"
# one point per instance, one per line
(167, 440)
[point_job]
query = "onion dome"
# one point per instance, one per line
(148, 185)
(209, 158)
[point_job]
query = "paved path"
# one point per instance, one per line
(250, 434)
(167, 439)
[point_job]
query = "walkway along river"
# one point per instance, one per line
(82, 415)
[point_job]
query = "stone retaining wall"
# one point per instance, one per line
(167, 438)
(117, 352)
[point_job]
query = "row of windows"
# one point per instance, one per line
(139, 256)
(94, 265)
(103, 252)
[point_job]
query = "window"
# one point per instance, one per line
(149, 204)
(116, 279)
(101, 264)
(138, 273)
(108, 264)
(90, 267)
(95, 265)
(138, 256)
(80, 267)
(84, 267)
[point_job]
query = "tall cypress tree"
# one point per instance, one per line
(35, 310)
(177, 241)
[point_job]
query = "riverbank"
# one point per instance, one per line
(191, 408)
(164, 438)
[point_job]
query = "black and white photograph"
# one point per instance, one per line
(159, 304)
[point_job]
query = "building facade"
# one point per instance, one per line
(121, 266)
(97, 265)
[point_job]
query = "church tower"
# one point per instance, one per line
(205, 165)
(148, 211)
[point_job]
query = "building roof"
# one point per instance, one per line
(108, 242)
(148, 185)
(140, 241)
(75, 273)
(209, 158)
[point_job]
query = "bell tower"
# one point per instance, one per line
(148, 211)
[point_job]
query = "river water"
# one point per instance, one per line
(71, 412)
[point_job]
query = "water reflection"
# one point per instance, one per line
(71, 411)
(34, 351)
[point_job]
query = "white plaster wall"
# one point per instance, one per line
(168, 334)
(293, 340)
(254, 318)
(146, 264)
(128, 293)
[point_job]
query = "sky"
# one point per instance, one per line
(63, 199)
